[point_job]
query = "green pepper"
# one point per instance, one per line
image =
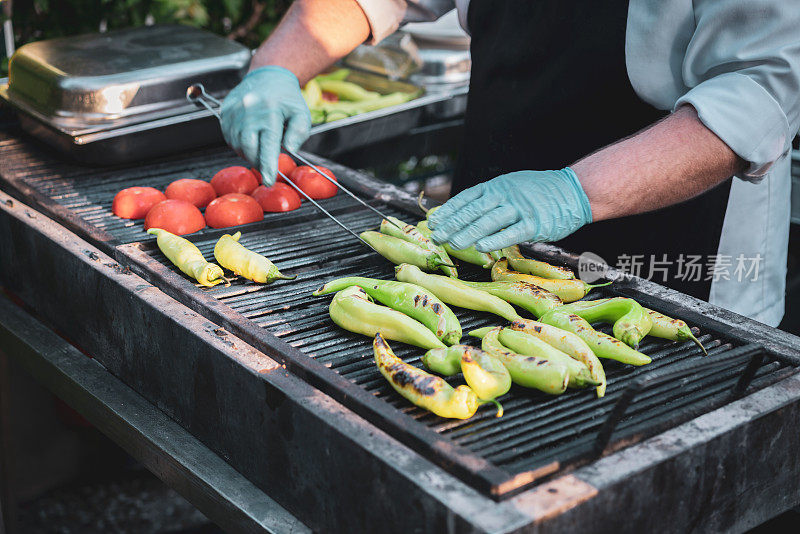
(469, 255)
(527, 371)
(525, 265)
(567, 290)
(672, 329)
(395, 227)
(525, 295)
(421, 388)
(400, 251)
(484, 373)
(352, 310)
(528, 345)
(347, 90)
(372, 104)
(456, 292)
(338, 74)
(188, 258)
(244, 262)
(631, 321)
(604, 346)
(312, 94)
(411, 299)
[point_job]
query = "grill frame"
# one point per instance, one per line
(587, 500)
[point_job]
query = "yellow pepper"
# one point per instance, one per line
(187, 257)
(235, 257)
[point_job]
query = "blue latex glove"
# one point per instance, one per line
(254, 114)
(512, 208)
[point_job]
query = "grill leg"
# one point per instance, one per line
(8, 502)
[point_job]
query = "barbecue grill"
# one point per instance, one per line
(296, 404)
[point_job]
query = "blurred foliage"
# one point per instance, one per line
(247, 21)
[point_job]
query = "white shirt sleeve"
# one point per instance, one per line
(743, 69)
(385, 16)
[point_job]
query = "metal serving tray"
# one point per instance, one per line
(126, 140)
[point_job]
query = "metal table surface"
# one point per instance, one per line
(160, 444)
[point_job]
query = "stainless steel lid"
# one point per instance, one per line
(96, 78)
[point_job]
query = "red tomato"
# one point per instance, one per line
(234, 180)
(176, 216)
(279, 197)
(233, 209)
(135, 202)
(312, 183)
(198, 192)
(285, 165)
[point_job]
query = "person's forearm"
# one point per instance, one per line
(671, 161)
(312, 35)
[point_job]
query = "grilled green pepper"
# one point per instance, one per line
(520, 263)
(631, 321)
(352, 309)
(567, 290)
(528, 345)
(469, 254)
(527, 371)
(484, 373)
(346, 90)
(604, 346)
(188, 258)
(456, 292)
(400, 251)
(525, 295)
(413, 300)
(422, 388)
(397, 228)
(235, 257)
(672, 329)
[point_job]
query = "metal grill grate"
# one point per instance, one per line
(538, 433)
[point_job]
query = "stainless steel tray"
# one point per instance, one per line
(120, 77)
(193, 128)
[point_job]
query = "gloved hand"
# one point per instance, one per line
(512, 208)
(253, 116)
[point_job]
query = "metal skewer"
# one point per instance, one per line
(197, 95)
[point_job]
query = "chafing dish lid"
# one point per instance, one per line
(97, 77)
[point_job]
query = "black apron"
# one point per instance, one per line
(549, 86)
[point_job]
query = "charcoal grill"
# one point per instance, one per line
(538, 463)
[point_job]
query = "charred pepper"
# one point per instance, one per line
(411, 299)
(672, 329)
(187, 257)
(603, 345)
(567, 290)
(528, 345)
(400, 251)
(484, 373)
(235, 257)
(396, 228)
(422, 388)
(520, 263)
(631, 321)
(352, 309)
(456, 292)
(525, 295)
(527, 371)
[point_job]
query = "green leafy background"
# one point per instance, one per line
(247, 21)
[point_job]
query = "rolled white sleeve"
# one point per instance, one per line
(742, 66)
(386, 16)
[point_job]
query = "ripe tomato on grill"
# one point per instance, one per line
(135, 202)
(234, 180)
(198, 192)
(314, 184)
(233, 209)
(285, 165)
(279, 197)
(176, 216)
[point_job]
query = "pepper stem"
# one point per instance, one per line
(419, 203)
(499, 406)
(697, 342)
(599, 285)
